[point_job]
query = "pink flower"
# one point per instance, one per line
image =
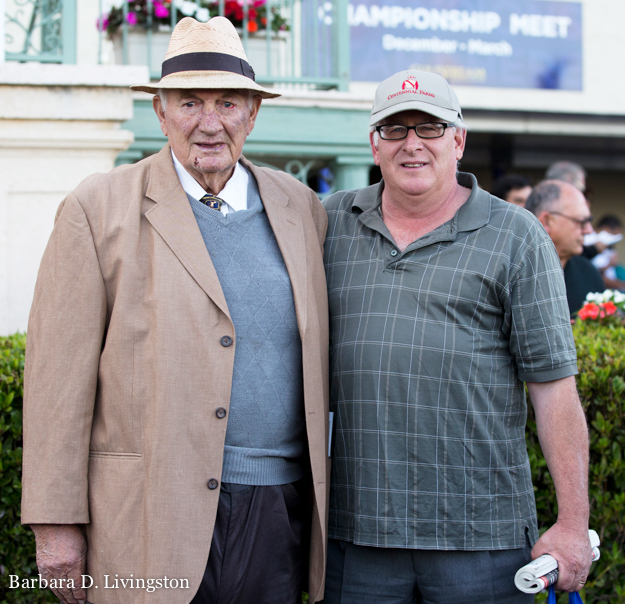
(103, 23)
(132, 19)
(160, 12)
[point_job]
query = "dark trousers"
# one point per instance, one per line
(375, 575)
(256, 553)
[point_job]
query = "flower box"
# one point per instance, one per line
(280, 50)
(138, 48)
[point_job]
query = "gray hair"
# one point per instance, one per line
(567, 171)
(543, 198)
(163, 92)
(457, 123)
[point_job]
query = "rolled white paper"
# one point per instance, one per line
(543, 572)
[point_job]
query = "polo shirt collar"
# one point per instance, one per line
(473, 214)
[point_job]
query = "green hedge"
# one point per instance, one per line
(601, 385)
(601, 352)
(17, 543)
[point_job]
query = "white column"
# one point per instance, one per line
(58, 125)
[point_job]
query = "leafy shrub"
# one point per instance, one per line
(17, 543)
(601, 385)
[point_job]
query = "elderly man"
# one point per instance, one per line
(443, 301)
(563, 210)
(176, 372)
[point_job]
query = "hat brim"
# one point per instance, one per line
(449, 115)
(207, 80)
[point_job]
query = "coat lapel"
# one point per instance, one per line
(173, 219)
(287, 226)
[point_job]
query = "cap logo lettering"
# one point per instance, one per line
(413, 90)
(410, 83)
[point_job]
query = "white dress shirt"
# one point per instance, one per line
(234, 194)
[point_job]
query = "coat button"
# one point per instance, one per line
(394, 253)
(220, 413)
(213, 483)
(226, 341)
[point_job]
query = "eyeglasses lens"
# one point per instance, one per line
(397, 132)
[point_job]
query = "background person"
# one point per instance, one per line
(176, 365)
(512, 188)
(444, 300)
(567, 171)
(563, 211)
(610, 232)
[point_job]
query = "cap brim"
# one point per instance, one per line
(449, 115)
(206, 80)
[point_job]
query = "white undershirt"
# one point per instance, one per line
(234, 194)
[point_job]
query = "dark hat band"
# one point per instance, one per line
(207, 61)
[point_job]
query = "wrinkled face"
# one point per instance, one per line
(519, 196)
(417, 166)
(207, 128)
(568, 234)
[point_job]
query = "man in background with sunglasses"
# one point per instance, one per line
(563, 210)
(444, 300)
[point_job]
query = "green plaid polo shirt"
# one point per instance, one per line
(429, 349)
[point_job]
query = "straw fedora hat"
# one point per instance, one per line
(206, 55)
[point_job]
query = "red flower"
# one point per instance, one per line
(589, 311)
(252, 26)
(231, 7)
(609, 307)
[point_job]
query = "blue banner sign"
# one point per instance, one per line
(500, 43)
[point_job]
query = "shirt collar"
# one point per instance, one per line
(234, 193)
(473, 214)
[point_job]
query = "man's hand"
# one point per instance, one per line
(571, 548)
(62, 554)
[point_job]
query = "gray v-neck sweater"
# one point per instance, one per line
(266, 422)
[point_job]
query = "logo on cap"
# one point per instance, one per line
(410, 83)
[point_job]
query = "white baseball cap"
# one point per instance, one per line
(415, 90)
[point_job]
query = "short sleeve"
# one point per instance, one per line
(541, 338)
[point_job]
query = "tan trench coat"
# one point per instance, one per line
(125, 370)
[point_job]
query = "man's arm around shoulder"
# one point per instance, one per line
(563, 437)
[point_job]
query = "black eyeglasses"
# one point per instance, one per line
(581, 223)
(395, 132)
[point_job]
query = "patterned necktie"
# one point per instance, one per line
(212, 201)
